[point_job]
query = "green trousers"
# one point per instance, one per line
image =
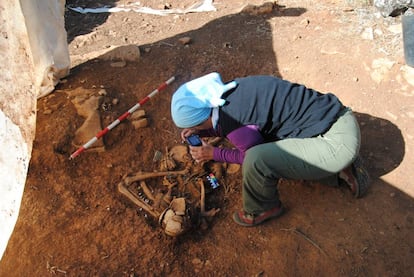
(318, 158)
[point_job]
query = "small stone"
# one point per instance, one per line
(118, 64)
(368, 34)
(115, 101)
(197, 262)
(260, 273)
(185, 40)
(305, 22)
(266, 8)
(137, 115)
(395, 29)
(227, 45)
(348, 9)
(141, 123)
(102, 92)
(208, 264)
(121, 53)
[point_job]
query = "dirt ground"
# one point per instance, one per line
(74, 222)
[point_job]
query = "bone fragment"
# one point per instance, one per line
(158, 199)
(167, 162)
(232, 168)
(180, 153)
(167, 197)
(145, 175)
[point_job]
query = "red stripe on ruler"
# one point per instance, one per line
(162, 86)
(101, 133)
(125, 115)
(77, 152)
(143, 101)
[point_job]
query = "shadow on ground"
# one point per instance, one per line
(383, 144)
(80, 24)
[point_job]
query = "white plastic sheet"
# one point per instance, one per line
(202, 6)
(34, 55)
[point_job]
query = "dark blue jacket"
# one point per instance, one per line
(280, 108)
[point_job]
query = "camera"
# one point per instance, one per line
(194, 140)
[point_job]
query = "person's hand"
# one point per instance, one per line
(186, 133)
(202, 153)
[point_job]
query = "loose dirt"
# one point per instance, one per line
(74, 222)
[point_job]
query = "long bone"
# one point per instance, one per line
(146, 175)
(125, 191)
(203, 211)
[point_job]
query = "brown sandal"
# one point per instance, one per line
(356, 177)
(249, 220)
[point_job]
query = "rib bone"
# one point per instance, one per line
(125, 191)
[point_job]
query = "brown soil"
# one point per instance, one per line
(74, 222)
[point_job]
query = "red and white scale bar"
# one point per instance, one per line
(121, 118)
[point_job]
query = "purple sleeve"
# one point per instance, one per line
(242, 138)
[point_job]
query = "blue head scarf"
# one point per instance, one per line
(191, 104)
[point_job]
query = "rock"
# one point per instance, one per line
(122, 53)
(305, 22)
(137, 115)
(111, 53)
(137, 119)
(392, 7)
(118, 64)
(395, 29)
(227, 45)
(266, 8)
(184, 40)
(368, 34)
(380, 69)
(141, 123)
(408, 74)
(197, 262)
(87, 105)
